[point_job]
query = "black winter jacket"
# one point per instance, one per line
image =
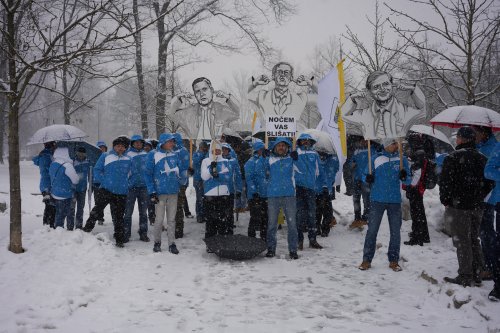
(462, 184)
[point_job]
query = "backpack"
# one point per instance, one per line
(431, 176)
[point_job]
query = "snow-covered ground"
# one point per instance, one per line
(78, 282)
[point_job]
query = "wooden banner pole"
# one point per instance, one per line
(190, 153)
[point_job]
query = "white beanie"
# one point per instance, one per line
(387, 142)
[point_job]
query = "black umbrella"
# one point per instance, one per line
(93, 152)
(236, 247)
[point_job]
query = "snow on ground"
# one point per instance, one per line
(78, 282)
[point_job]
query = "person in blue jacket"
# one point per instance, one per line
(111, 171)
(148, 146)
(485, 143)
(255, 178)
(385, 195)
(216, 172)
(137, 190)
(307, 171)
(82, 167)
(63, 179)
(96, 187)
(279, 171)
(235, 184)
(492, 172)
(325, 193)
(198, 157)
(183, 154)
(43, 161)
(163, 179)
(360, 187)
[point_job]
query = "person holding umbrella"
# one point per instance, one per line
(112, 171)
(43, 161)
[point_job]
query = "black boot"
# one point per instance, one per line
(460, 280)
(414, 241)
(157, 247)
(294, 255)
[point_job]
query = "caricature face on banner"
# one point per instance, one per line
(203, 92)
(384, 110)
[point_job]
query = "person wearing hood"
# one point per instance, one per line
(307, 172)
(279, 171)
(485, 143)
(96, 187)
(255, 178)
(198, 157)
(137, 190)
(163, 178)
(148, 147)
(385, 195)
(63, 179)
(82, 167)
(111, 171)
(462, 189)
(325, 193)
(182, 203)
(43, 161)
(235, 183)
(492, 172)
(216, 172)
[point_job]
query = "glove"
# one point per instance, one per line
(46, 197)
(410, 192)
(266, 153)
(213, 169)
(294, 155)
(255, 196)
(337, 188)
(190, 171)
(370, 178)
(154, 198)
(403, 174)
(325, 192)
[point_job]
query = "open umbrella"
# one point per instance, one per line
(56, 133)
(232, 137)
(236, 247)
(323, 141)
(428, 130)
(458, 116)
(93, 153)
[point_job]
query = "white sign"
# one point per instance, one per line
(281, 126)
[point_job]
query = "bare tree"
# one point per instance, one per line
(458, 60)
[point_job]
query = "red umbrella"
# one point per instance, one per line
(458, 116)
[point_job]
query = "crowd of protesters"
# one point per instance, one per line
(280, 181)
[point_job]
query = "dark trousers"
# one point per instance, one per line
(324, 213)
(419, 228)
(151, 212)
(465, 226)
(361, 190)
(230, 214)
(258, 217)
(306, 212)
(98, 197)
(496, 252)
(49, 214)
(179, 215)
(489, 237)
(117, 204)
(215, 215)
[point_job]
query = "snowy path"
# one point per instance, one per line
(77, 282)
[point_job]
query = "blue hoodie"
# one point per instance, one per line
(328, 170)
(236, 183)
(112, 171)
(307, 166)
(360, 159)
(492, 171)
(162, 172)
(63, 176)
(198, 157)
(280, 173)
(183, 154)
(487, 147)
(43, 161)
(387, 185)
(82, 169)
(138, 158)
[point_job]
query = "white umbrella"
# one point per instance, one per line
(458, 116)
(56, 133)
(428, 130)
(323, 141)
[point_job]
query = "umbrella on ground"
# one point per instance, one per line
(458, 116)
(430, 131)
(236, 247)
(323, 143)
(93, 152)
(56, 133)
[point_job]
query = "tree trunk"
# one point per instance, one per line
(3, 106)
(140, 74)
(14, 98)
(161, 93)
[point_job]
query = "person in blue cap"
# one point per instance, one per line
(137, 190)
(82, 167)
(43, 161)
(257, 190)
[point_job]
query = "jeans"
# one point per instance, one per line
(377, 210)
(63, 208)
(78, 202)
(361, 189)
(141, 195)
(488, 235)
(273, 208)
(198, 186)
(306, 212)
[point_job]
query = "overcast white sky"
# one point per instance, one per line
(314, 22)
